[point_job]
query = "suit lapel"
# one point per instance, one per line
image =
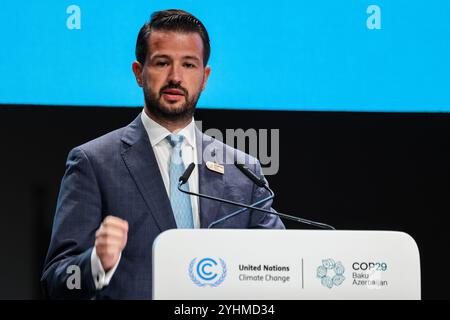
(140, 160)
(210, 182)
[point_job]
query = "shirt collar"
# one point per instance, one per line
(157, 133)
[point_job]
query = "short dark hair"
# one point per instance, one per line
(171, 20)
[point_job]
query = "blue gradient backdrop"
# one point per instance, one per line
(276, 55)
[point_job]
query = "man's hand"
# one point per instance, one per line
(110, 239)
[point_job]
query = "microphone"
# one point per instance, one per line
(259, 181)
(187, 173)
(235, 213)
(184, 178)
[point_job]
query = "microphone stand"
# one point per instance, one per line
(281, 215)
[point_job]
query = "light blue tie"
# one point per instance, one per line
(181, 202)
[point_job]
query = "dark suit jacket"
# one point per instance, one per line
(117, 174)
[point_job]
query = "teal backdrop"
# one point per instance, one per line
(355, 55)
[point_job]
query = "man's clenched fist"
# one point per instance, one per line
(110, 239)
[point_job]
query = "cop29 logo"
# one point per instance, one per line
(207, 272)
(331, 273)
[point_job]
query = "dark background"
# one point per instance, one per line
(369, 171)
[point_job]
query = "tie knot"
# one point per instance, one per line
(175, 140)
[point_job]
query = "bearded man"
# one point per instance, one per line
(119, 191)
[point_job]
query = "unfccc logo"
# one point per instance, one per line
(331, 273)
(207, 272)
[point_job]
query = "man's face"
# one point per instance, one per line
(173, 74)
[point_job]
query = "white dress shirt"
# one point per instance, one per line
(162, 149)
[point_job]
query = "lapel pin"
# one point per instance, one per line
(215, 167)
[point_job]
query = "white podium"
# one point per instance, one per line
(223, 264)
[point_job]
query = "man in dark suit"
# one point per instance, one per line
(119, 191)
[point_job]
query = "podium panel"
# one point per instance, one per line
(285, 264)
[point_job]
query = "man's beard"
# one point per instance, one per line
(186, 111)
